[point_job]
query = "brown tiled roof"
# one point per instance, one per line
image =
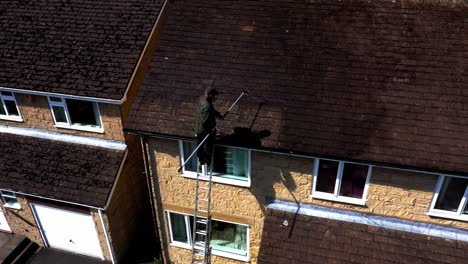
(381, 81)
(308, 240)
(84, 47)
(59, 170)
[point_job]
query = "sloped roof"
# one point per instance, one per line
(59, 170)
(381, 81)
(85, 47)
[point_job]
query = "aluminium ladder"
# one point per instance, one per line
(201, 250)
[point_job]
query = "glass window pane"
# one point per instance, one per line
(229, 237)
(59, 113)
(55, 99)
(7, 93)
(188, 148)
(11, 108)
(231, 163)
(326, 177)
(179, 230)
(82, 113)
(353, 180)
(451, 194)
(2, 109)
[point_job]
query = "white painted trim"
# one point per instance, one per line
(93, 99)
(45, 134)
(8, 116)
(111, 250)
(137, 65)
(119, 173)
(39, 225)
(372, 220)
(432, 211)
(17, 205)
(335, 196)
(217, 179)
(69, 125)
(99, 130)
(50, 199)
(213, 251)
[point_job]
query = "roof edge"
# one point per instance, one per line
(310, 155)
(87, 98)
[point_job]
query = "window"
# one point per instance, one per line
(227, 239)
(9, 200)
(77, 114)
(8, 108)
(341, 181)
(450, 198)
(231, 165)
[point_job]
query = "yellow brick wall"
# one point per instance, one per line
(130, 202)
(391, 192)
(36, 113)
(22, 222)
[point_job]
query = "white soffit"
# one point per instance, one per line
(89, 141)
(371, 220)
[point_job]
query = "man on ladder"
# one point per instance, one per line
(205, 122)
(205, 128)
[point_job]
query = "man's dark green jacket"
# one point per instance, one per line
(205, 116)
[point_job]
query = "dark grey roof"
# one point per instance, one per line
(59, 170)
(381, 81)
(83, 47)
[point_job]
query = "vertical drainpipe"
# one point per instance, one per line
(150, 191)
(111, 250)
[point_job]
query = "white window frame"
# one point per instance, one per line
(335, 195)
(213, 251)
(68, 124)
(9, 98)
(218, 179)
(12, 195)
(443, 213)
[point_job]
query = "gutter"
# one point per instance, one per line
(308, 155)
(87, 98)
(150, 191)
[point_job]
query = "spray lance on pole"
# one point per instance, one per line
(219, 123)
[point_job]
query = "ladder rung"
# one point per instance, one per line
(203, 211)
(202, 221)
(203, 188)
(202, 199)
(203, 233)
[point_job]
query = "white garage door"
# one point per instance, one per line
(67, 230)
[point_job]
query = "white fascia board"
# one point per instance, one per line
(48, 198)
(85, 98)
(371, 220)
(44, 134)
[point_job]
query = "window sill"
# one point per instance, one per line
(447, 215)
(217, 179)
(9, 118)
(82, 128)
(214, 252)
(12, 206)
(340, 199)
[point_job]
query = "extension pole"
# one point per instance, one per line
(212, 130)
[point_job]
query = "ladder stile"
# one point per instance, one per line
(201, 250)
